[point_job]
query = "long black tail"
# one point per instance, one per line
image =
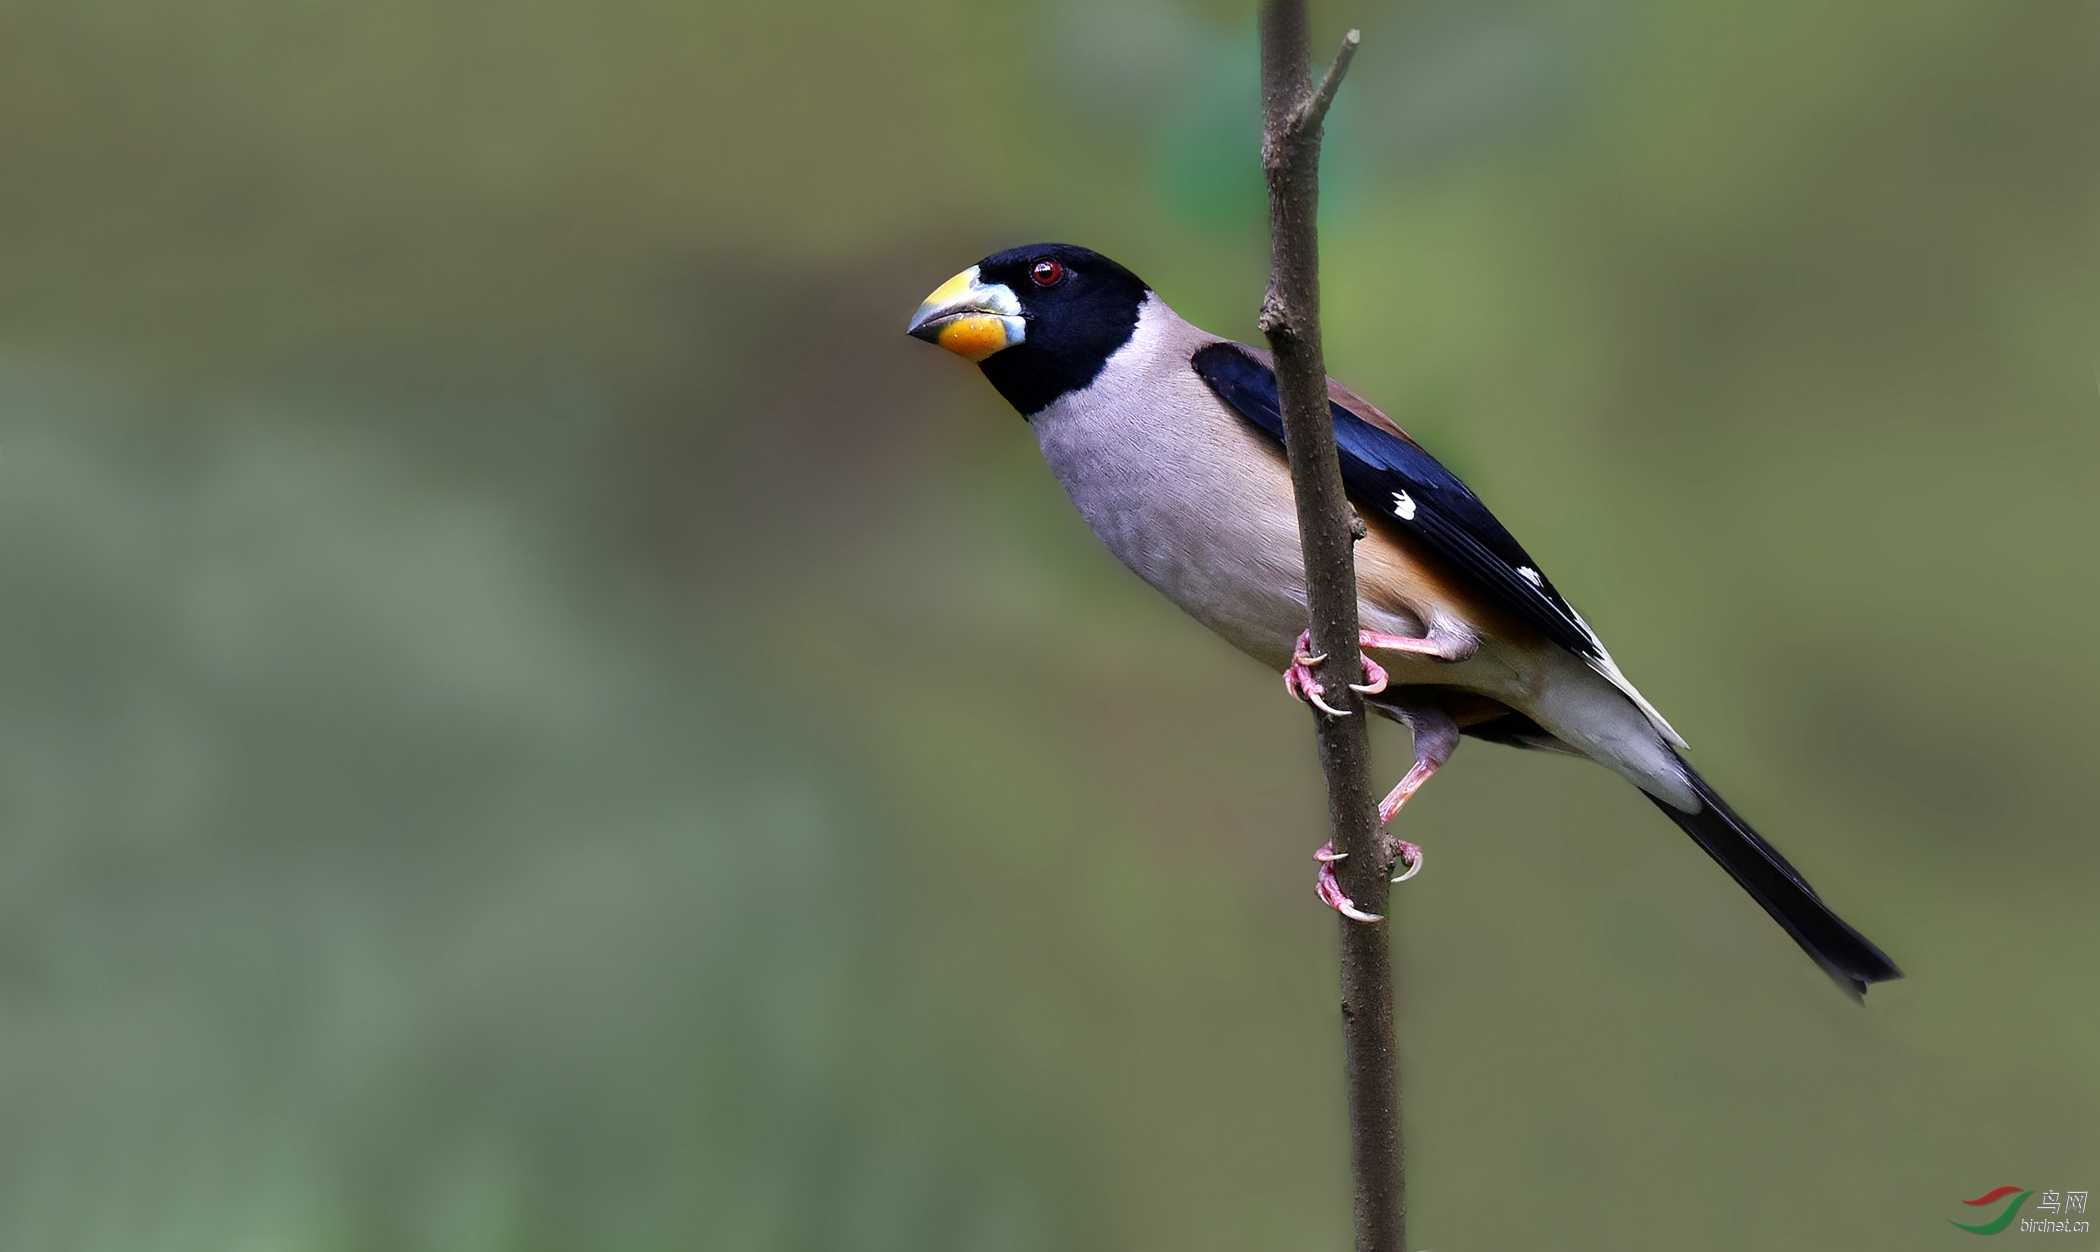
(1843, 952)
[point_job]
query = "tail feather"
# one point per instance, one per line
(1844, 953)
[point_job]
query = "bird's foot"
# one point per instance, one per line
(1299, 681)
(1409, 855)
(1330, 890)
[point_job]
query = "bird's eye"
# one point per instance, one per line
(1046, 272)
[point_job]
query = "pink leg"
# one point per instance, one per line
(1389, 808)
(1436, 737)
(1442, 643)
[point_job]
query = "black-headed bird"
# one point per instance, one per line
(1170, 441)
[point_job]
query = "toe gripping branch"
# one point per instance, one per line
(1330, 890)
(1432, 748)
(1299, 681)
(1435, 736)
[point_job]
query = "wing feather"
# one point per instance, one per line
(1390, 474)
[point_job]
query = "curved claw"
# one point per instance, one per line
(1330, 893)
(1355, 914)
(1327, 854)
(1313, 694)
(1299, 680)
(1300, 683)
(1410, 856)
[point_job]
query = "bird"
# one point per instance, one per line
(1169, 440)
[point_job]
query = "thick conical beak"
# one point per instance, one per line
(969, 317)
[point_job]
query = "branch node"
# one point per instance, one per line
(1275, 320)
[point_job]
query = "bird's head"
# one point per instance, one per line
(1040, 320)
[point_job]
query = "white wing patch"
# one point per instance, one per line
(1403, 506)
(1531, 576)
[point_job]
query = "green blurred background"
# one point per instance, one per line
(532, 717)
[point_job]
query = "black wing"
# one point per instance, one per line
(1392, 476)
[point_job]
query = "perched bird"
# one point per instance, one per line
(1170, 441)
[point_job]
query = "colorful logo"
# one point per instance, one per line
(2058, 1203)
(2002, 1220)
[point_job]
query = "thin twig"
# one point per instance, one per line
(1313, 113)
(1293, 112)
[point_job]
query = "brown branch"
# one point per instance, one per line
(1293, 112)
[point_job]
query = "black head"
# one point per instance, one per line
(1039, 321)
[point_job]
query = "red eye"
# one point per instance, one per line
(1046, 272)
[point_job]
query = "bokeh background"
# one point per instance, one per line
(532, 717)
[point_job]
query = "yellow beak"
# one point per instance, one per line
(970, 317)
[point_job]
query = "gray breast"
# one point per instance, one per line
(1189, 496)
